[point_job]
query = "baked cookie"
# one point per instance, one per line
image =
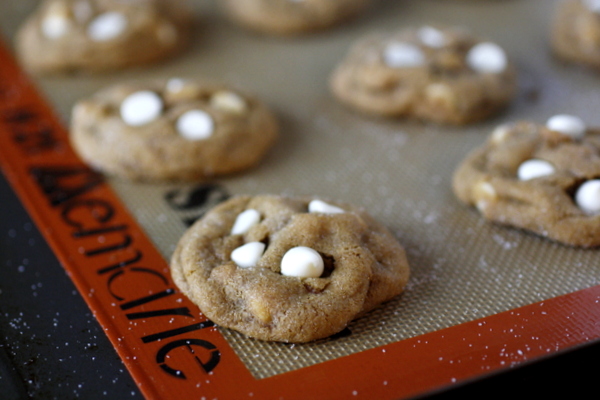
(288, 269)
(171, 130)
(442, 75)
(576, 32)
(286, 17)
(541, 178)
(101, 35)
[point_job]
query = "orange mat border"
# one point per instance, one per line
(171, 350)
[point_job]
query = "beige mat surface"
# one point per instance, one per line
(462, 267)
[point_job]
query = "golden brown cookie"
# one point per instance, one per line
(171, 130)
(446, 76)
(541, 178)
(575, 33)
(287, 17)
(101, 35)
(286, 269)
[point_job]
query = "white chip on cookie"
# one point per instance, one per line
(403, 55)
(195, 125)
(569, 125)
(247, 256)
(588, 196)
(141, 107)
(107, 26)
(500, 134)
(244, 221)
(229, 101)
(56, 22)
(178, 89)
(534, 168)
(487, 57)
(302, 262)
(432, 37)
(55, 26)
(484, 194)
(319, 206)
(175, 85)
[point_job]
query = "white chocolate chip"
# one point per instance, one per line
(177, 90)
(302, 262)
(228, 101)
(487, 57)
(319, 206)
(432, 37)
(403, 55)
(56, 21)
(534, 168)
(244, 221)
(195, 125)
(141, 107)
(175, 85)
(567, 125)
(500, 134)
(107, 26)
(55, 26)
(487, 190)
(588, 196)
(247, 256)
(592, 5)
(484, 194)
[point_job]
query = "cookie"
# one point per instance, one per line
(446, 76)
(101, 35)
(171, 130)
(575, 33)
(288, 269)
(287, 17)
(541, 178)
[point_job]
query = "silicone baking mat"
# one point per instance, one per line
(481, 297)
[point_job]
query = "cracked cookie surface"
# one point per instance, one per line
(101, 35)
(362, 265)
(540, 178)
(171, 130)
(286, 17)
(443, 75)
